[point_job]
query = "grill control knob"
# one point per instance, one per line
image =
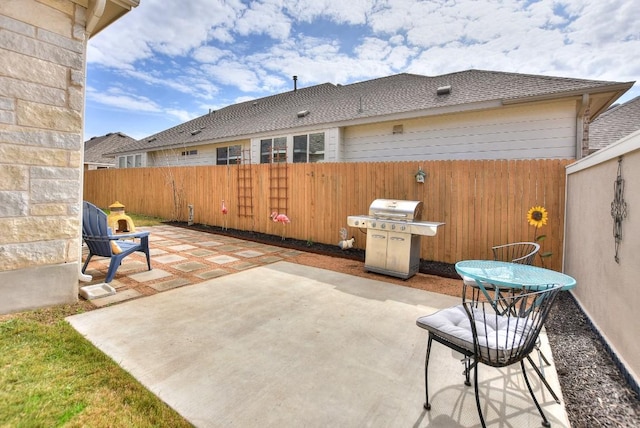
(403, 227)
(373, 224)
(393, 227)
(384, 226)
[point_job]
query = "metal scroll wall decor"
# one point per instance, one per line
(618, 208)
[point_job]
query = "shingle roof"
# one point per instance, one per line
(363, 101)
(96, 147)
(614, 124)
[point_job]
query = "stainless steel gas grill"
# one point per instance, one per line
(394, 228)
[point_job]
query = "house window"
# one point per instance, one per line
(308, 148)
(130, 161)
(273, 150)
(189, 152)
(228, 155)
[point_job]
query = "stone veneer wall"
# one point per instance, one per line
(42, 66)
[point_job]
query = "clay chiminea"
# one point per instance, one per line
(118, 221)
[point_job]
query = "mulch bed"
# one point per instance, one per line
(596, 392)
(445, 270)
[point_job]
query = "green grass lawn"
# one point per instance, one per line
(51, 376)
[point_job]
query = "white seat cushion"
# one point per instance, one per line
(498, 336)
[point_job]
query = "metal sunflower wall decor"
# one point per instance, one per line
(618, 208)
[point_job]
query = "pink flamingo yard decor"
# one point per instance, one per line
(280, 218)
(224, 211)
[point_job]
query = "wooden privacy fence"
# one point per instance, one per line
(483, 203)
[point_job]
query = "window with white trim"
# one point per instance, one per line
(308, 148)
(228, 155)
(273, 150)
(130, 161)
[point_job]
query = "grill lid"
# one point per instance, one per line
(393, 209)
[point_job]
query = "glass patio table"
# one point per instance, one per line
(512, 275)
(505, 277)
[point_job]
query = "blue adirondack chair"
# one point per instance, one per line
(102, 242)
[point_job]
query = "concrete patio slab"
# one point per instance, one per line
(115, 298)
(167, 285)
(249, 253)
(222, 259)
(149, 275)
(214, 273)
(190, 266)
(286, 345)
(169, 258)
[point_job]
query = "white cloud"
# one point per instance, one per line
(210, 54)
(182, 115)
(314, 61)
(353, 12)
(373, 48)
(213, 53)
(233, 73)
(264, 17)
(116, 97)
(163, 27)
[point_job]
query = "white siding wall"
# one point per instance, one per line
(206, 155)
(540, 131)
(331, 143)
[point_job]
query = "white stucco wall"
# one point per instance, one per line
(535, 131)
(607, 291)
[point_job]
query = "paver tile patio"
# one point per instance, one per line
(222, 259)
(169, 258)
(190, 266)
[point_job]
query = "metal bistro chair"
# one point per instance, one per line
(484, 336)
(102, 242)
(522, 253)
(517, 252)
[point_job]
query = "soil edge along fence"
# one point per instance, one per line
(483, 203)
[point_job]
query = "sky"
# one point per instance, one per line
(169, 61)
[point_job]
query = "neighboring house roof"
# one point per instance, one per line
(377, 100)
(96, 147)
(614, 124)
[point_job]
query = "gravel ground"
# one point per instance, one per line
(595, 392)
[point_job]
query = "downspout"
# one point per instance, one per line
(94, 14)
(582, 108)
(93, 17)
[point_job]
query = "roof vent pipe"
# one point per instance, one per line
(295, 83)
